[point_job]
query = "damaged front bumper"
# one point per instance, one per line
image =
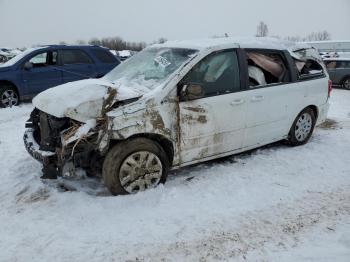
(33, 148)
(61, 145)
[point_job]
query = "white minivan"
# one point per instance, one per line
(177, 104)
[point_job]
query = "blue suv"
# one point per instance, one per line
(38, 69)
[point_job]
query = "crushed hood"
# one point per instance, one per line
(81, 100)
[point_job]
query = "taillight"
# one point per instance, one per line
(329, 88)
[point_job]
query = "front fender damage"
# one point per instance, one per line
(84, 144)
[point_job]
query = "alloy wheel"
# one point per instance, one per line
(9, 98)
(347, 83)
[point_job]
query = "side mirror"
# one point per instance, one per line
(28, 66)
(191, 91)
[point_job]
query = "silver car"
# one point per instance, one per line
(339, 71)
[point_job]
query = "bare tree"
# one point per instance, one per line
(262, 30)
(319, 36)
(81, 42)
(94, 41)
(114, 43)
(295, 38)
(314, 36)
(117, 43)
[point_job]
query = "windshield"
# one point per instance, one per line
(18, 57)
(149, 68)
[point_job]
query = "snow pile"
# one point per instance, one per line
(243, 42)
(21, 55)
(276, 203)
(124, 53)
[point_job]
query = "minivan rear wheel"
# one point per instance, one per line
(346, 83)
(135, 165)
(302, 127)
(8, 97)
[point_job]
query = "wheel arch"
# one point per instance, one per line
(344, 78)
(314, 109)
(9, 83)
(163, 141)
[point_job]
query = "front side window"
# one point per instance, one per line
(75, 57)
(216, 74)
(265, 68)
(343, 64)
(44, 59)
(39, 59)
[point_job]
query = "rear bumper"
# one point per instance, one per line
(33, 148)
(322, 113)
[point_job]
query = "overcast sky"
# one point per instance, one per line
(29, 22)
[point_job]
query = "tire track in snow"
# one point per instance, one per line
(280, 226)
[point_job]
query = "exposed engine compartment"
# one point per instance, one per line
(48, 133)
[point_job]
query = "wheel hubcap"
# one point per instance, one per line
(140, 171)
(347, 84)
(9, 98)
(303, 127)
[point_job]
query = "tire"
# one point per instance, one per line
(8, 96)
(302, 128)
(126, 165)
(346, 83)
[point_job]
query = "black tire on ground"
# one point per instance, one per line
(301, 123)
(120, 152)
(4, 91)
(346, 83)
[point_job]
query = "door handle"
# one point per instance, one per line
(257, 98)
(237, 102)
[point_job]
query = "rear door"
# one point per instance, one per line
(76, 64)
(44, 73)
(270, 96)
(211, 121)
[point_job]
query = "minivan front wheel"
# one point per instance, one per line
(135, 165)
(302, 127)
(8, 97)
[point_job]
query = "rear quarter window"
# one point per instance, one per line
(75, 57)
(309, 69)
(104, 56)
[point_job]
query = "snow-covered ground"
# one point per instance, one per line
(276, 203)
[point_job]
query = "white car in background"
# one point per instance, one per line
(8, 53)
(177, 104)
(125, 54)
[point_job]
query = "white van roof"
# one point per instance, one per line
(236, 42)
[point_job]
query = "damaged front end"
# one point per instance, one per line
(62, 144)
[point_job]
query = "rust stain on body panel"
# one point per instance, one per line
(191, 119)
(197, 109)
